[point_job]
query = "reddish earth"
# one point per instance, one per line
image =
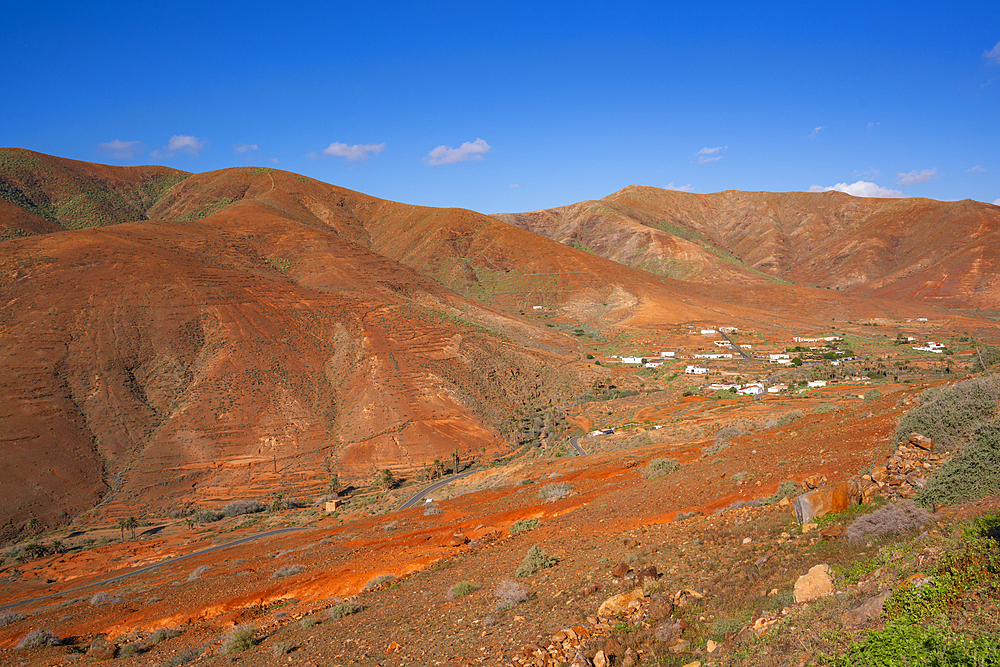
(175, 340)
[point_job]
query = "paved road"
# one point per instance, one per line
(433, 487)
(575, 442)
(148, 568)
(738, 348)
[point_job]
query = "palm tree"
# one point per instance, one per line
(131, 524)
(122, 525)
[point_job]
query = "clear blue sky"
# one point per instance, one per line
(517, 106)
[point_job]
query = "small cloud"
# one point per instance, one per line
(185, 143)
(993, 55)
(121, 150)
(678, 188)
(274, 160)
(859, 189)
(470, 150)
(815, 132)
(706, 154)
(352, 153)
(244, 148)
(915, 176)
(996, 202)
(871, 126)
(975, 170)
(514, 186)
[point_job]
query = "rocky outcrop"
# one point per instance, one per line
(816, 583)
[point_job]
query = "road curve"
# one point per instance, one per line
(148, 568)
(575, 442)
(433, 487)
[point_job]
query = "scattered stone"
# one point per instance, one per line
(579, 660)
(630, 658)
(869, 610)
(648, 572)
(458, 539)
(814, 584)
(680, 646)
(620, 570)
(710, 646)
(696, 663)
(814, 481)
(747, 540)
(809, 527)
(833, 532)
(669, 632)
(620, 604)
(784, 502)
(921, 441)
(101, 649)
(600, 660)
(660, 607)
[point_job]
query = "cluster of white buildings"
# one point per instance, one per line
(823, 339)
(931, 346)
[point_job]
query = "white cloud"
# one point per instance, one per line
(858, 189)
(975, 170)
(514, 186)
(274, 160)
(872, 125)
(121, 150)
(185, 143)
(996, 202)
(470, 150)
(679, 188)
(815, 132)
(352, 153)
(706, 154)
(993, 54)
(244, 148)
(915, 176)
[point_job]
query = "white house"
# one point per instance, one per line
(746, 346)
(696, 370)
(816, 383)
(722, 343)
(928, 348)
(653, 364)
(708, 332)
(664, 355)
(784, 362)
(714, 355)
(722, 386)
(727, 329)
(774, 389)
(751, 389)
(631, 360)
(776, 357)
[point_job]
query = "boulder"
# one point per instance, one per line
(458, 539)
(868, 611)
(620, 604)
(921, 441)
(816, 583)
(648, 572)
(660, 607)
(600, 660)
(101, 649)
(620, 570)
(830, 498)
(814, 481)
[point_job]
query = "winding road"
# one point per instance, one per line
(433, 487)
(575, 443)
(149, 568)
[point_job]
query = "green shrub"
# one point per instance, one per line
(162, 634)
(661, 467)
(985, 357)
(522, 525)
(129, 650)
(282, 648)
(787, 489)
(536, 560)
(823, 409)
(461, 589)
(871, 395)
(951, 414)
(970, 474)
(309, 622)
(904, 645)
(288, 570)
(240, 639)
(723, 626)
(342, 609)
(9, 616)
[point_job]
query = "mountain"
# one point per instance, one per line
(196, 337)
(940, 253)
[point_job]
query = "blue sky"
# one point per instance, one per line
(519, 106)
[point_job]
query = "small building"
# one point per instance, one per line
(751, 390)
(779, 356)
(653, 364)
(665, 355)
(722, 343)
(333, 505)
(722, 386)
(713, 356)
(708, 332)
(816, 383)
(631, 360)
(696, 370)
(746, 346)
(777, 388)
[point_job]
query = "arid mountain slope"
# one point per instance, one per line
(943, 253)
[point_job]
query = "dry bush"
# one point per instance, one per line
(197, 572)
(342, 609)
(461, 589)
(288, 570)
(375, 582)
(555, 491)
(9, 616)
(510, 594)
(970, 474)
(661, 467)
(238, 507)
(38, 638)
(103, 597)
(240, 639)
(890, 520)
(535, 561)
(948, 415)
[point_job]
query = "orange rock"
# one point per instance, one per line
(831, 498)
